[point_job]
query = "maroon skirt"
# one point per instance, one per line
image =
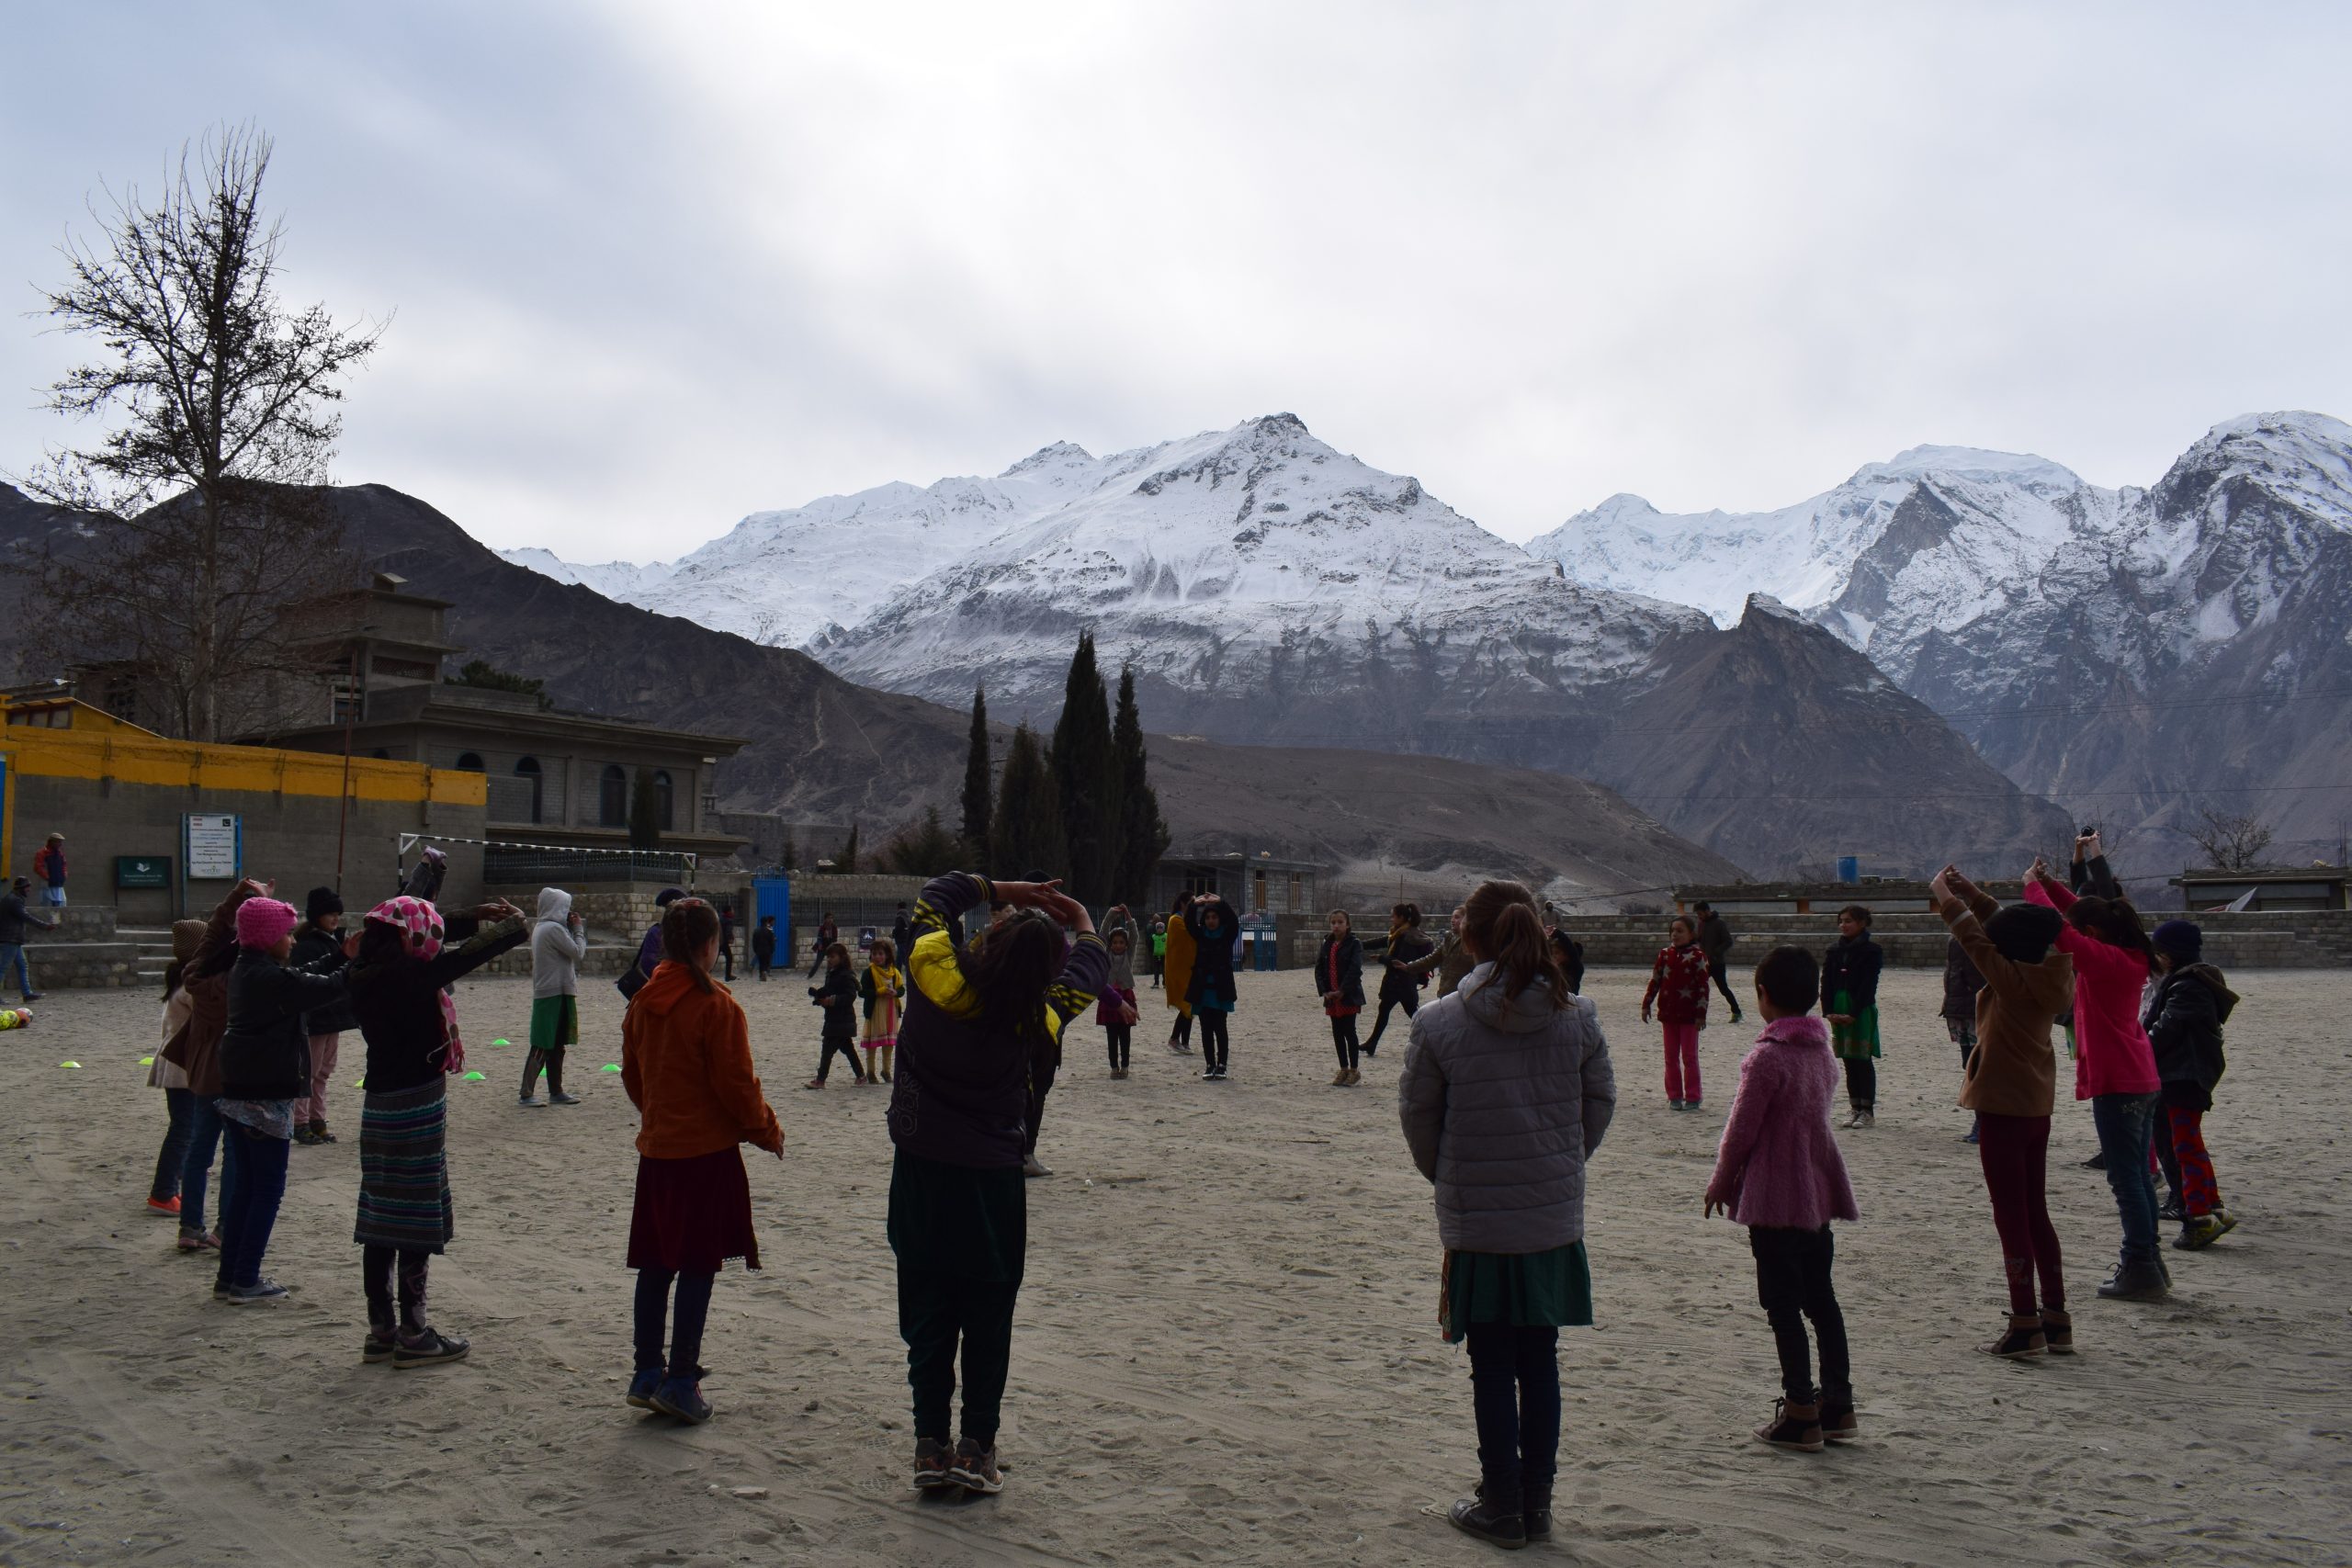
(691, 1215)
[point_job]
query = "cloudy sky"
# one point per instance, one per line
(653, 266)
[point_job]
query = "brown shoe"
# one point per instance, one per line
(1793, 1426)
(2057, 1332)
(1341, 1081)
(2023, 1340)
(1838, 1422)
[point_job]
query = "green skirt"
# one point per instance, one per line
(555, 1022)
(1525, 1289)
(1859, 1038)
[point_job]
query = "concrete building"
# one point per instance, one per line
(555, 783)
(2266, 889)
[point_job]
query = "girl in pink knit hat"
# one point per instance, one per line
(1778, 1173)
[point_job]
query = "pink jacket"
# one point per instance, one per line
(1778, 1164)
(2112, 1050)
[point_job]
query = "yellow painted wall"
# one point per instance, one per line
(98, 747)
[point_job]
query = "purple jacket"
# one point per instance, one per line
(1778, 1161)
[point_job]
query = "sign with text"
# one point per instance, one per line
(214, 848)
(143, 871)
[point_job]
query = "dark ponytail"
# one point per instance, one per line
(689, 925)
(2113, 921)
(1499, 920)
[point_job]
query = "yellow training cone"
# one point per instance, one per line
(69, 1064)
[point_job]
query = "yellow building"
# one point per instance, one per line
(159, 827)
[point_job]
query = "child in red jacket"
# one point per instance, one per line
(1678, 991)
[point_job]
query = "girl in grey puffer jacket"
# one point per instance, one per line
(1507, 1090)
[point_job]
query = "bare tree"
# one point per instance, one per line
(2231, 841)
(198, 519)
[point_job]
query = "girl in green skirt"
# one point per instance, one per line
(1850, 1005)
(1506, 1092)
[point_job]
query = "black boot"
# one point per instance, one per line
(1496, 1522)
(1535, 1510)
(2135, 1280)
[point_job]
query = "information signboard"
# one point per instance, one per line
(143, 871)
(214, 848)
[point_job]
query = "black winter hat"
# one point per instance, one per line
(323, 901)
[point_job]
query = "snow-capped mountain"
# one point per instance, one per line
(1272, 591)
(2138, 652)
(619, 579)
(786, 577)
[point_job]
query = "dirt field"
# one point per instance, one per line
(1226, 1349)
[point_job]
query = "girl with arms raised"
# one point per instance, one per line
(958, 1214)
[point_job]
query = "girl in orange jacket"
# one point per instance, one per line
(687, 1063)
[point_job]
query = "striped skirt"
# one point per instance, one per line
(404, 1169)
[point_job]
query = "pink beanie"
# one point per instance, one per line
(262, 922)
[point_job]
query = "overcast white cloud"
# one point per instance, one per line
(657, 265)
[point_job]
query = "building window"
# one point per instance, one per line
(529, 769)
(612, 797)
(662, 801)
(471, 763)
(381, 754)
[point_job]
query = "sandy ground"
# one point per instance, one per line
(1226, 1349)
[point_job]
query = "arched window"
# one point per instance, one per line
(662, 802)
(612, 797)
(529, 768)
(471, 763)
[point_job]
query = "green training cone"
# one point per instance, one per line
(69, 1064)
(474, 1077)
(146, 1061)
(610, 1067)
(502, 1042)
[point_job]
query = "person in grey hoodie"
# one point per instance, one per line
(556, 950)
(1506, 1092)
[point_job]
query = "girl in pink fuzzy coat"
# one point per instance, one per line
(1778, 1173)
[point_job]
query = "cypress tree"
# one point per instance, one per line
(1083, 779)
(849, 851)
(978, 808)
(1027, 833)
(1143, 836)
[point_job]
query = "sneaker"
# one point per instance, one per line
(1498, 1522)
(1032, 1167)
(2135, 1282)
(682, 1397)
(2171, 1209)
(164, 1205)
(34, 996)
(1536, 1511)
(205, 1241)
(1796, 1427)
(1838, 1422)
(1859, 1121)
(932, 1470)
(2058, 1332)
(2023, 1340)
(373, 1348)
(1691, 1105)
(1969, 1136)
(246, 1295)
(430, 1348)
(2097, 1161)
(304, 1135)
(319, 1133)
(814, 1083)
(1674, 1105)
(2199, 1232)
(532, 1102)
(641, 1387)
(559, 1098)
(975, 1468)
